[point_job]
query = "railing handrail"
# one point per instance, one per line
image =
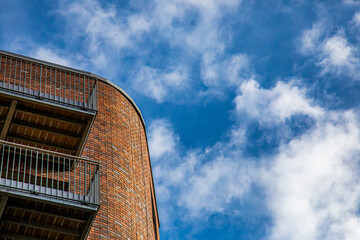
(46, 63)
(49, 152)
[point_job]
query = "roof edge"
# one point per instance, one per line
(122, 92)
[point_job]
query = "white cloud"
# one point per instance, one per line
(356, 19)
(100, 25)
(215, 185)
(333, 53)
(229, 72)
(50, 55)
(338, 54)
(107, 34)
(159, 84)
(310, 38)
(276, 104)
(313, 184)
(162, 139)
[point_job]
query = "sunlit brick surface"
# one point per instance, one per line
(117, 139)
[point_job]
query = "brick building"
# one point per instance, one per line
(74, 156)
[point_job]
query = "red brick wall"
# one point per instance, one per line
(118, 140)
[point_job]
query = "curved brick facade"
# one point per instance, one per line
(118, 140)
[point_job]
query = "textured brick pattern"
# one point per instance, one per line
(118, 141)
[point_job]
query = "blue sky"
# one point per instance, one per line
(252, 107)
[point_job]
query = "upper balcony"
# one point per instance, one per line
(48, 82)
(45, 105)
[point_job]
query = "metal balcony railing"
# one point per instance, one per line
(41, 80)
(48, 173)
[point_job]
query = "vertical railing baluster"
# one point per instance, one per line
(20, 76)
(79, 180)
(31, 157)
(40, 84)
(30, 76)
(58, 177)
(63, 178)
(26, 75)
(88, 92)
(98, 185)
(90, 185)
(47, 172)
(7, 163)
(18, 175)
(85, 182)
(2, 160)
(10, 74)
(69, 184)
(24, 167)
(74, 178)
(52, 170)
(60, 85)
(51, 79)
(65, 87)
(79, 90)
(45, 80)
(42, 170)
(84, 92)
(5, 65)
(13, 166)
(36, 168)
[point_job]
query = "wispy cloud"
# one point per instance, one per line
(49, 55)
(332, 52)
(109, 35)
(159, 84)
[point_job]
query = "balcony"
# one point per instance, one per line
(45, 105)
(46, 195)
(48, 82)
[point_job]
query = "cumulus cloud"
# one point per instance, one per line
(339, 55)
(333, 53)
(158, 84)
(311, 184)
(276, 104)
(162, 139)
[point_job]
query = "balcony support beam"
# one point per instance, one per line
(39, 127)
(3, 204)
(50, 116)
(44, 227)
(70, 218)
(84, 137)
(15, 236)
(9, 117)
(42, 143)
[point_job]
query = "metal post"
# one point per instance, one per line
(36, 167)
(85, 182)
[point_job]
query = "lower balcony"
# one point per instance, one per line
(46, 195)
